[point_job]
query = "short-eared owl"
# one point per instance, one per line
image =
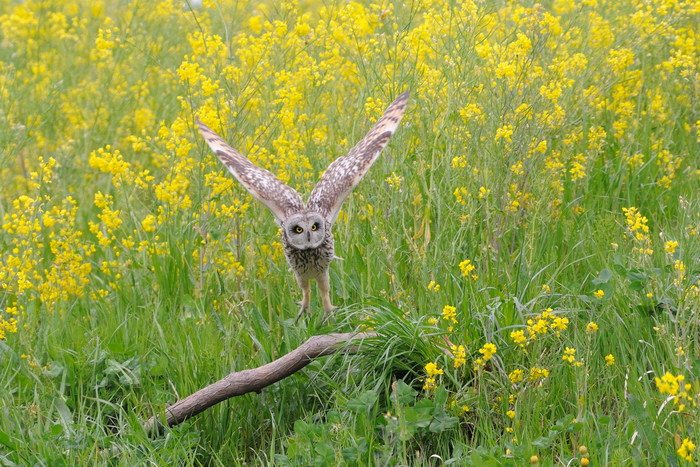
(306, 228)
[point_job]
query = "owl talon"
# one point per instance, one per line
(301, 312)
(330, 313)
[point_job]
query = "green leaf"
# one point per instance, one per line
(404, 393)
(64, 413)
(607, 290)
(187, 300)
(443, 422)
(542, 442)
(6, 441)
(55, 370)
(350, 454)
(603, 277)
(696, 366)
(364, 402)
(115, 347)
(326, 454)
(636, 276)
(416, 418)
(457, 455)
(424, 406)
(353, 453)
(638, 413)
(440, 396)
(57, 429)
(620, 270)
(575, 427)
(636, 409)
(303, 430)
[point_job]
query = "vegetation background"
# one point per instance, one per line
(526, 247)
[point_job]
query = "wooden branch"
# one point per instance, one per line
(254, 380)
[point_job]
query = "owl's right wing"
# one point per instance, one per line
(343, 175)
(281, 199)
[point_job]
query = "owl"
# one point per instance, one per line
(307, 237)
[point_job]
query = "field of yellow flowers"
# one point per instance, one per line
(526, 247)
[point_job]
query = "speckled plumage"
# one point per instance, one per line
(307, 235)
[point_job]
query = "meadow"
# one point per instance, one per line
(526, 248)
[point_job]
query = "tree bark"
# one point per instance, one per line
(254, 380)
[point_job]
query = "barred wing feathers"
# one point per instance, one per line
(345, 173)
(281, 199)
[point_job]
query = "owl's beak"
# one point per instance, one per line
(308, 236)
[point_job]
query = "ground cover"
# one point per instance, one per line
(526, 247)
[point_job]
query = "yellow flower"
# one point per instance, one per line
(686, 450)
(432, 370)
(511, 414)
(569, 355)
(148, 223)
(519, 337)
(670, 247)
(505, 132)
(609, 360)
(516, 376)
(559, 324)
(538, 373)
(459, 355)
(449, 313)
(591, 328)
(599, 294)
(467, 267)
(487, 351)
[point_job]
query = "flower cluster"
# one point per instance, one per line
(432, 371)
(674, 386)
(487, 352)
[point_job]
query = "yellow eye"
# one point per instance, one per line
(314, 227)
(298, 229)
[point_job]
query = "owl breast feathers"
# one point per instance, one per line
(306, 228)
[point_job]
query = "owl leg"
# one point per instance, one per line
(324, 286)
(306, 298)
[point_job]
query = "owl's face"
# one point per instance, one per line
(305, 231)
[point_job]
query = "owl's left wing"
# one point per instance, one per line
(281, 199)
(345, 173)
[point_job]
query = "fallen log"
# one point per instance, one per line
(254, 380)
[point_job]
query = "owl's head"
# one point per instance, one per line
(306, 230)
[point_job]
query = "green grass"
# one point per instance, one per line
(115, 320)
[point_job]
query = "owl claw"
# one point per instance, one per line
(328, 313)
(301, 311)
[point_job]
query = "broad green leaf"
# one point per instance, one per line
(443, 422)
(326, 454)
(440, 396)
(404, 393)
(416, 418)
(603, 277)
(363, 402)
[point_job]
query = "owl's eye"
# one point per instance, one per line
(298, 229)
(314, 227)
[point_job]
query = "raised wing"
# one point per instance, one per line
(345, 173)
(263, 185)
